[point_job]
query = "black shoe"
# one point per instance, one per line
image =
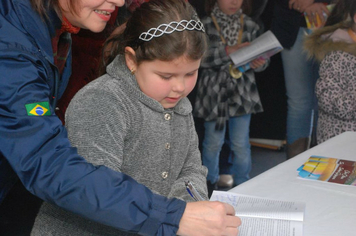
(211, 188)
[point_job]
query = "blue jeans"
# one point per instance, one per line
(300, 78)
(239, 129)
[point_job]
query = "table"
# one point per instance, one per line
(330, 208)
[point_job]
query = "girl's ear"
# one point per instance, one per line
(130, 57)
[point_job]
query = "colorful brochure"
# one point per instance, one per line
(329, 169)
(318, 24)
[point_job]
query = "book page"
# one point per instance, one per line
(265, 45)
(269, 227)
(250, 206)
(264, 217)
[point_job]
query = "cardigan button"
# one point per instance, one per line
(164, 175)
(168, 146)
(167, 116)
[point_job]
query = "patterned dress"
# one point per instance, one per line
(219, 95)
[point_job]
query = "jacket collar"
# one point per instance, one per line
(40, 30)
(319, 43)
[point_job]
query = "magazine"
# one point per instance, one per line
(265, 46)
(327, 169)
(311, 25)
(264, 217)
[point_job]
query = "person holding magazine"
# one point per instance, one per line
(300, 74)
(225, 95)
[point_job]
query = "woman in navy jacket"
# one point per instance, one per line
(34, 145)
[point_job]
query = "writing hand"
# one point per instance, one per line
(206, 218)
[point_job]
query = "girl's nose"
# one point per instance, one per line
(179, 85)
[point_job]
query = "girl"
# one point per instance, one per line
(35, 64)
(136, 118)
(335, 46)
(220, 96)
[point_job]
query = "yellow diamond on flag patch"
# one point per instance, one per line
(38, 109)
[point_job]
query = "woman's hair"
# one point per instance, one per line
(343, 10)
(246, 6)
(43, 6)
(168, 46)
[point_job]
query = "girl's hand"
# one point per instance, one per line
(257, 63)
(300, 5)
(317, 9)
(231, 49)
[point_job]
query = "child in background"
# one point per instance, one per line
(221, 98)
(335, 47)
(137, 114)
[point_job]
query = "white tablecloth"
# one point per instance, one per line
(330, 208)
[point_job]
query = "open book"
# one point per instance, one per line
(264, 217)
(265, 46)
(327, 169)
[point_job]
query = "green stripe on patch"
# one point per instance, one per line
(38, 109)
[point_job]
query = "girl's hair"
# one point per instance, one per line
(190, 43)
(246, 6)
(343, 10)
(43, 6)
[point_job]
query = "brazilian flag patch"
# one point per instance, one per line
(38, 109)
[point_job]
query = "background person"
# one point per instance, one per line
(300, 74)
(221, 98)
(335, 47)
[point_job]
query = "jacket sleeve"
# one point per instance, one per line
(335, 89)
(39, 152)
(98, 131)
(192, 170)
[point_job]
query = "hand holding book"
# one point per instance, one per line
(262, 48)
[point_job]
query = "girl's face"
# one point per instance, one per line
(229, 7)
(92, 14)
(165, 81)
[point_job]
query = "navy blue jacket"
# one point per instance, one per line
(36, 150)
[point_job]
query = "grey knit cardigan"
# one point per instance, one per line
(113, 123)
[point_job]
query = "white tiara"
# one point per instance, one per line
(170, 28)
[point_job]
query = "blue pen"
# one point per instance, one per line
(188, 190)
(192, 191)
